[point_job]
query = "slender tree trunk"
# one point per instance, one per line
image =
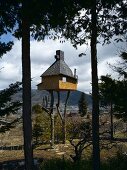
(64, 130)
(52, 130)
(26, 80)
(64, 118)
(95, 93)
(52, 118)
(111, 120)
(57, 106)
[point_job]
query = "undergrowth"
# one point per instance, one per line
(116, 163)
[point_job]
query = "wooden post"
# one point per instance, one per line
(52, 118)
(64, 118)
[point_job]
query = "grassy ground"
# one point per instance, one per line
(15, 137)
(59, 151)
(59, 157)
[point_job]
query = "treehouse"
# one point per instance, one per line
(58, 76)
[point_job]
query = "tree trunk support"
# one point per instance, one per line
(52, 118)
(64, 119)
(58, 106)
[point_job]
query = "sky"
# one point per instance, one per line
(42, 56)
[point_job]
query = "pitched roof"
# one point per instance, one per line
(58, 67)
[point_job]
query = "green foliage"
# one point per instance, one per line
(82, 104)
(82, 141)
(107, 90)
(37, 129)
(37, 109)
(114, 91)
(61, 164)
(10, 125)
(121, 67)
(9, 17)
(43, 17)
(58, 129)
(114, 163)
(73, 127)
(41, 124)
(124, 56)
(111, 20)
(120, 101)
(7, 106)
(4, 47)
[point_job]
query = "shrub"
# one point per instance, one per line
(61, 164)
(116, 163)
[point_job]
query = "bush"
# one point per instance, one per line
(116, 163)
(61, 164)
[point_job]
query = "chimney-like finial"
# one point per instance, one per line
(59, 55)
(75, 73)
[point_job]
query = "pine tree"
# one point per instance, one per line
(8, 106)
(41, 124)
(37, 128)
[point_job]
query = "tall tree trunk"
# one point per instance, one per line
(26, 80)
(95, 93)
(52, 118)
(64, 118)
(111, 121)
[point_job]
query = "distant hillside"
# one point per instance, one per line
(37, 97)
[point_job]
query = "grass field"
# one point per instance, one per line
(61, 153)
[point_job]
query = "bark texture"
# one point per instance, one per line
(95, 91)
(26, 81)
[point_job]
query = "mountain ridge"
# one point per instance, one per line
(37, 97)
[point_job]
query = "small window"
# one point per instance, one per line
(64, 79)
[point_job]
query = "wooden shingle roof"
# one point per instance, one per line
(58, 67)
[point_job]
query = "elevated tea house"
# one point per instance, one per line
(58, 76)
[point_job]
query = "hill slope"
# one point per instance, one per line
(37, 97)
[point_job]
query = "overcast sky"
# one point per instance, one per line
(42, 56)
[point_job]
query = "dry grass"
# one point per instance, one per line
(59, 151)
(7, 155)
(15, 137)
